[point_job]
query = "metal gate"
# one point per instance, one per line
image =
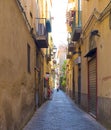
(92, 87)
(73, 84)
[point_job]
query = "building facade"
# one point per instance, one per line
(17, 62)
(61, 57)
(24, 37)
(92, 48)
(73, 20)
(95, 50)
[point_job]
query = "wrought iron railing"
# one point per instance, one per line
(41, 33)
(76, 26)
(41, 27)
(77, 20)
(48, 54)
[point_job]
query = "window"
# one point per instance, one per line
(28, 58)
(31, 14)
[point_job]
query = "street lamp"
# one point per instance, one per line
(54, 49)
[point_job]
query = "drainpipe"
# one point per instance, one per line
(79, 13)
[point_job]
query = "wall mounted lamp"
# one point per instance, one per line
(95, 33)
(54, 49)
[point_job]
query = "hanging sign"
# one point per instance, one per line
(77, 60)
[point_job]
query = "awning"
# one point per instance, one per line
(48, 26)
(91, 53)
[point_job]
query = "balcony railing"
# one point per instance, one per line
(69, 17)
(48, 54)
(48, 57)
(69, 55)
(71, 47)
(42, 28)
(76, 26)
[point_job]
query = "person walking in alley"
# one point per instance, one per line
(57, 89)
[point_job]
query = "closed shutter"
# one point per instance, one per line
(92, 87)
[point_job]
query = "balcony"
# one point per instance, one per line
(48, 58)
(76, 27)
(76, 33)
(69, 55)
(69, 19)
(42, 28)
(71, 47)
(48, 55)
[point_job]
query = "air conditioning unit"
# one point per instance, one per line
(41, 29)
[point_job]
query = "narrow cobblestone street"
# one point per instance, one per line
(61, 113)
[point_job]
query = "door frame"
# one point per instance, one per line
(94, 56)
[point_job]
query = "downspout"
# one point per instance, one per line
(79, 11)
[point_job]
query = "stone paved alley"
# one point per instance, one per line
(61, 113)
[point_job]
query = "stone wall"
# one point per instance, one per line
(104, 111)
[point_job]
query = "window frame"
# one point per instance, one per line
(28, 58)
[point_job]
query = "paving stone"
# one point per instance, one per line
(61, 113)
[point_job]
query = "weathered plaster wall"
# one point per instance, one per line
(88, 7)
(103, 60)
(16, 84)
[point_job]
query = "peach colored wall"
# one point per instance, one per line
(16, 84)
(30, 6)
(88, 7)
(103, 49)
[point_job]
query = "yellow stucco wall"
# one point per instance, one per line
(104, 60)
(88, 7)
(31, 8)
(103, 48)
(16, 84)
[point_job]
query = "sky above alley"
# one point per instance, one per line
(58, 24)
